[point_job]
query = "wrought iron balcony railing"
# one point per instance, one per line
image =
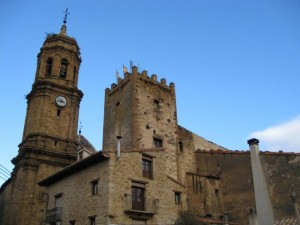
(146, 205)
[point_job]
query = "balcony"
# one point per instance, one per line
(143, 209)
(54, 215)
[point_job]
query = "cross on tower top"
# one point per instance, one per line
(66, 16)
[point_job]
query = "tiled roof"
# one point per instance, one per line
(221, 151)
(212, 221)
(286, 221)
(85, 144)
(74, 168)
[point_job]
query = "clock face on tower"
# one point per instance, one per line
(61, 101)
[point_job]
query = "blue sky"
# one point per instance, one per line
(235, 63)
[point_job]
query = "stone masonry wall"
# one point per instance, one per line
(140, 109)
(160, 189)
(204, 195)
(77, 200)
(281, 171)
(6, 202)
(203, 144)
(185, 155)
(118, 116)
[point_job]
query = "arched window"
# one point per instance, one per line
(49, 66)
(63, 69)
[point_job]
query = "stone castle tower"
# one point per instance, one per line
(49, 140)
(140, 112)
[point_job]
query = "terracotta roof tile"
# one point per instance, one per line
(286, 221)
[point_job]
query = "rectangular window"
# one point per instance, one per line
(94, 187)
(180, 144)
(80, 155)
(157, 142)
(58, 113)
(58, 200)
(92, 220)
(72, 222)
(147, 166)
(177, 198)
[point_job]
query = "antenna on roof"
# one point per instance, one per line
(66, 16)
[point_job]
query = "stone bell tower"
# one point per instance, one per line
(49, 139)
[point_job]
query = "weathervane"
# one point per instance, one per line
(66, 16)
(80, 126)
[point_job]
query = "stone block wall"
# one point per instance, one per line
(140, 109)
(281, 171)
(204, 195)
(78, 203)
(126, 172)
(6, 202)
(118, 116)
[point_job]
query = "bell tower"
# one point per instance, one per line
(49, 141)
(53, 103)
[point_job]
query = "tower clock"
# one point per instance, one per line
(49, 141)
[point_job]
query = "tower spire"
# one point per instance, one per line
(63, 30)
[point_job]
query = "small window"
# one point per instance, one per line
(58, 113)
(94, 187)
(158, 143)
(63, 69)
(177, 198)
(72, 222)
(92, 220)
(156, 103)
(80, 155)
(180, 144)
(58, 200)
(147, 166)
(49, 66)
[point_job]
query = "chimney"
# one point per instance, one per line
(263, 203)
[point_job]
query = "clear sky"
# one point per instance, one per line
(235, 63)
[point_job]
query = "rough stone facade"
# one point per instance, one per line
(49, 141)
(117, 177)
(281, 171)
(75, 190)
(150, 167)
(138, 111)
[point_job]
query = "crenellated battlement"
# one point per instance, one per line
(143, 76)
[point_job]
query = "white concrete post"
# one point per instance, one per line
(264, 210)
(293, 197)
